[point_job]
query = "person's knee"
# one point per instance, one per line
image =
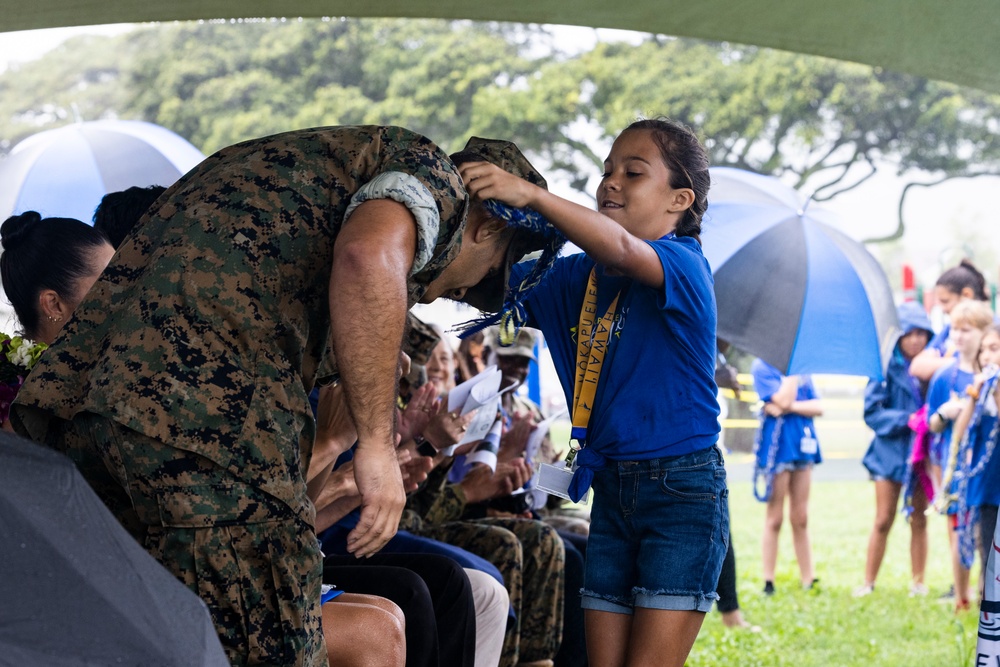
(773, 522)
(385, 604)
(799, 520)
(364, 635)
(883, 523)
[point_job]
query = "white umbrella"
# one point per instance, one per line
(65, 172)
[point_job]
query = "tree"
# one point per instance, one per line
(823, 126)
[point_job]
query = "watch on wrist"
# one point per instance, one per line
(424, 448)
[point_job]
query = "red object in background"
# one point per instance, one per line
(909, 284)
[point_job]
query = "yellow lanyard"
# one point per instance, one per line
(592, 338)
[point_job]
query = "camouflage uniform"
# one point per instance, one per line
(528, 553)
(181, 384)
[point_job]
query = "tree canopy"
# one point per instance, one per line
(824, 126)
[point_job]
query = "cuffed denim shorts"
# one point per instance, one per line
(658, 534)
(792, 466)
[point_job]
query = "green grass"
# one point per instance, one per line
(830, 628)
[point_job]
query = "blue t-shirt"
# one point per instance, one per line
(946, 381)
(766, 380)
(656, 396)
(940, 340)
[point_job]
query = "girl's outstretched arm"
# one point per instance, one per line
(603, 239)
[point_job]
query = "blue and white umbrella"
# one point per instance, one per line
(64, 172)
(791, 288)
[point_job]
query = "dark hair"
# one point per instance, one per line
(118, 212)
(964, 275)
(687, 161)
(43, 253)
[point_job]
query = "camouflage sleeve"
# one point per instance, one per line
(437, 501)
(411, 521)
(448, 506)
(413, 194)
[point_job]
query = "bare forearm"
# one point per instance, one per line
(335, 511)
(604, 240)
(368, 311)
(963, 419)
(810, 408)
(925, 364)
(784, 398)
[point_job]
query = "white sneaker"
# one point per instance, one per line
(863, 591)
(918, 590)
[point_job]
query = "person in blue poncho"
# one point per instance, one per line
(889, 406)
(786, 450)
(631, 328)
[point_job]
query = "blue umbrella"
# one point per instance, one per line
(791, 288)
(65, 172)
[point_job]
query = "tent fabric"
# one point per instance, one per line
(952, 41)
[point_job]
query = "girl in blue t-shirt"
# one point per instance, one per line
(786, 451)
(977, 468)
(946, 396)
(631, 327)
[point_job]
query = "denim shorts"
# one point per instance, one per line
(658, 534)
(792, 466)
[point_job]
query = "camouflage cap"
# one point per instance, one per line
(420, 340)
(488, 295)
(523, 345)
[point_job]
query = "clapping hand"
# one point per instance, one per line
(423, 406)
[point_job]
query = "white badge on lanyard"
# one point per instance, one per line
(555, 478)
(808, 444)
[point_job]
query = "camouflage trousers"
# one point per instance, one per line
(255, 565)
(530, 556)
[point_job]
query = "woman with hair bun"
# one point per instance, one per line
(48, 265)
(954, 285)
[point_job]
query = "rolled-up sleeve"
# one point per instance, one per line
(414, 195)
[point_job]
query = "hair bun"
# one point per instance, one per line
(15, 227)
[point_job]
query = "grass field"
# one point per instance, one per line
(830, 628)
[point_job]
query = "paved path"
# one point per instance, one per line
(739, 468)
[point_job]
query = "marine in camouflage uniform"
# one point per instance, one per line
(180, 386)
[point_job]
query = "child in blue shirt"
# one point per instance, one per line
(978, 467)
(786, 450)
(946, 397)
(631, 327)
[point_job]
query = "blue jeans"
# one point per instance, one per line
(658, 534)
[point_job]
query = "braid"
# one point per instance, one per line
(687, 161)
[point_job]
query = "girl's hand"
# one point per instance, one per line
(772, 410)
(488, 181)
(952, 408)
